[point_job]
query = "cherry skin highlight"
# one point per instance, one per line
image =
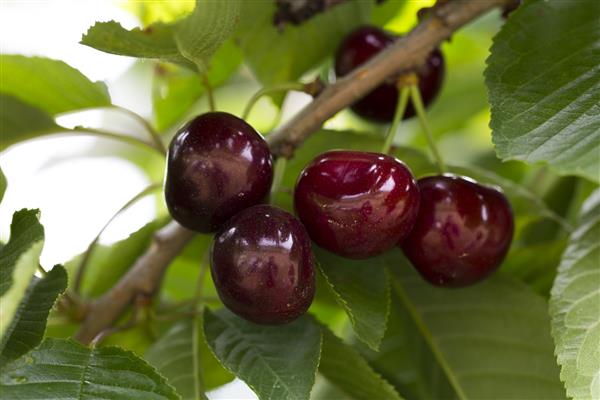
(263, 267)
(356, 204)
(217, 165)
(462, 233)
(380, 104)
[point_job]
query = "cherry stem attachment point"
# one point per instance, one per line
(88, 253)
(282, 87)
(400, 109)
(417, 102)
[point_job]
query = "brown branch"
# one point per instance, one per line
(406, 53)
(146, 274)
(143, 278)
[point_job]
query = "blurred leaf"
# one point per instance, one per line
(20, 121)
(180, 280)
(173, 355)
(3, 184)
(61, 369)
(175, 89)
(155, 41)
(19, 259)
(277, 362)
(164, 10)
(285, 56)
(492, 337)
(51, 85)
(108, 263)
(543, 78)
(534, 265)
(29, 324)
(575, 306)
(343, 366)
(199, 35)
(361, 287)
(385, 11)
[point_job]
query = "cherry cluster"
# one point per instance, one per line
(356, 204)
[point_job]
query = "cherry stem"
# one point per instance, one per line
(282, 87)
(114, 135)
(88, 253)
(420, 110)
(155, 136)
(280, 164)
(400, 109)
(209, 92)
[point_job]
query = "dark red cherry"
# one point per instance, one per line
(356, 204)
(462, 233)
(217, 166)
(380, 104)
(263, 267)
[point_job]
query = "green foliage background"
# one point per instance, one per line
(375, 330)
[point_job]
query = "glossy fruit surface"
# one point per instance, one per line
(263, 267)
(217, 165)
(462, 233)
(380, 104)
(356, 204)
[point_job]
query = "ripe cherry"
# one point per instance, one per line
(380, 104)
(263, 267)
(217, 166)
(356, 204)
(462, 233)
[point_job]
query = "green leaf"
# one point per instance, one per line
(406, 360)
(29, 324)
(493, 337)
(344, 366)
(277, 362)
(281, 56)
(361, 287)
(575, 306)
(543, 78)
(175, 89)
(108, 263)
(173, 355)
(156, 41)
(20, 121)
(51, 85)
(3, 184)
(61, 369)
(19, 260)
(199, 35)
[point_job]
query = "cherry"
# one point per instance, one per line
(380, 104)
(263, 267)
(217, 166)
(462, 233)
(356, 204)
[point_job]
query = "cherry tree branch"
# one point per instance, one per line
(145, 276)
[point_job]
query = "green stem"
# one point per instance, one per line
(88, 253)
(420, 110)
(280, 164)
(155, 136)
(113, 135)
(400, 109)
(209, 93)
(282, 87)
